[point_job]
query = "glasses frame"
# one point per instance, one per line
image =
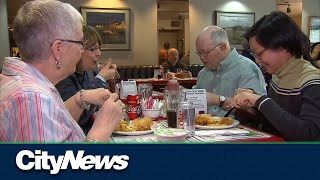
(93, 49)
(72, 41)
(258, 55)
(205, 54)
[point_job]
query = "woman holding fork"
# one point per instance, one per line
(88, 79)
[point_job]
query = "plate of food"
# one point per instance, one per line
(136, 127)
(207, 121)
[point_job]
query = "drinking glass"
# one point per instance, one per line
(172, 99)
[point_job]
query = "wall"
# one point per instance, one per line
(170, 10)
(144, 50)
(201, 11)
(4, 34)
(296, 11)
(144, 39)
(309, 8)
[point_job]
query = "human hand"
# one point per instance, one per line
(315, 51)
(96, 96)
(170, 75)
(240, 90)
(108, 117)
(245, 99)
(108, 71)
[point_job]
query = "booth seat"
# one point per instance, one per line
(147, 71)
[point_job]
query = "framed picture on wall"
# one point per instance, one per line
(113, 25)
(236, 24)
(314, 29)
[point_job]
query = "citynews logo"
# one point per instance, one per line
(40, 160)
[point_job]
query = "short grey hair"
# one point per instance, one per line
(40, 22)
(219, 35)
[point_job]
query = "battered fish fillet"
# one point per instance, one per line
(141, 124)
(225, 120)
(209, 120)
(202, 119)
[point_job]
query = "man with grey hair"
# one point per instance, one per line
(172, 64)
(49, 36)
(225, 70)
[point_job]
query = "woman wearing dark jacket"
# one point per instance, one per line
(86, 76)
(292, 107)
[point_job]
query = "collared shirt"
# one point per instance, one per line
(31, 107)
(234, 72)
(169, 67)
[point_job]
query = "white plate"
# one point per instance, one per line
(234, 124)
(134, 133)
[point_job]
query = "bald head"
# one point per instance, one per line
(213, 34)
(212, 46)
(173, 56)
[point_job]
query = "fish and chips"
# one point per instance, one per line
(140, 124)
(209, 120)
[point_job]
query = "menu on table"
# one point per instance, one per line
(127, 87)
(199, 99)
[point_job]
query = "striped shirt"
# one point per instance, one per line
(31, 107)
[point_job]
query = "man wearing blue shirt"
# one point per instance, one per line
(225, 70)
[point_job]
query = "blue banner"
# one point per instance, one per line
(160, 161)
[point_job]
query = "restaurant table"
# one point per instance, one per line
(160, 84)
(253, 135)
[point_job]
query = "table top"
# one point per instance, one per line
(204, 136)
(156, 80)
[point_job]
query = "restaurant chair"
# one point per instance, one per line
(122, 72)
(128, 72)
(143, 72)
(150, 71)
(194, 70)
(135, 72)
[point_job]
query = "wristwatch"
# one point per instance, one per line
(222, 99)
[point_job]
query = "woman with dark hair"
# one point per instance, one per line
(292, 107)
(246, 52)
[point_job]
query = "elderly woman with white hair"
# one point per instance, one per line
(49, 36)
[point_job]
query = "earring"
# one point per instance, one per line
(58, 64)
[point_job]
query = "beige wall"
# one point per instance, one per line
(309, 8)
(201, 11)
(143, 30)
(296, 11)
(144, 38)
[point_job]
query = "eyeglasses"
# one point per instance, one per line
(94, 49)
(258, 55)
(205, 54)
(72, 41)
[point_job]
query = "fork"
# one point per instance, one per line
(229, 112)
(125, 116)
